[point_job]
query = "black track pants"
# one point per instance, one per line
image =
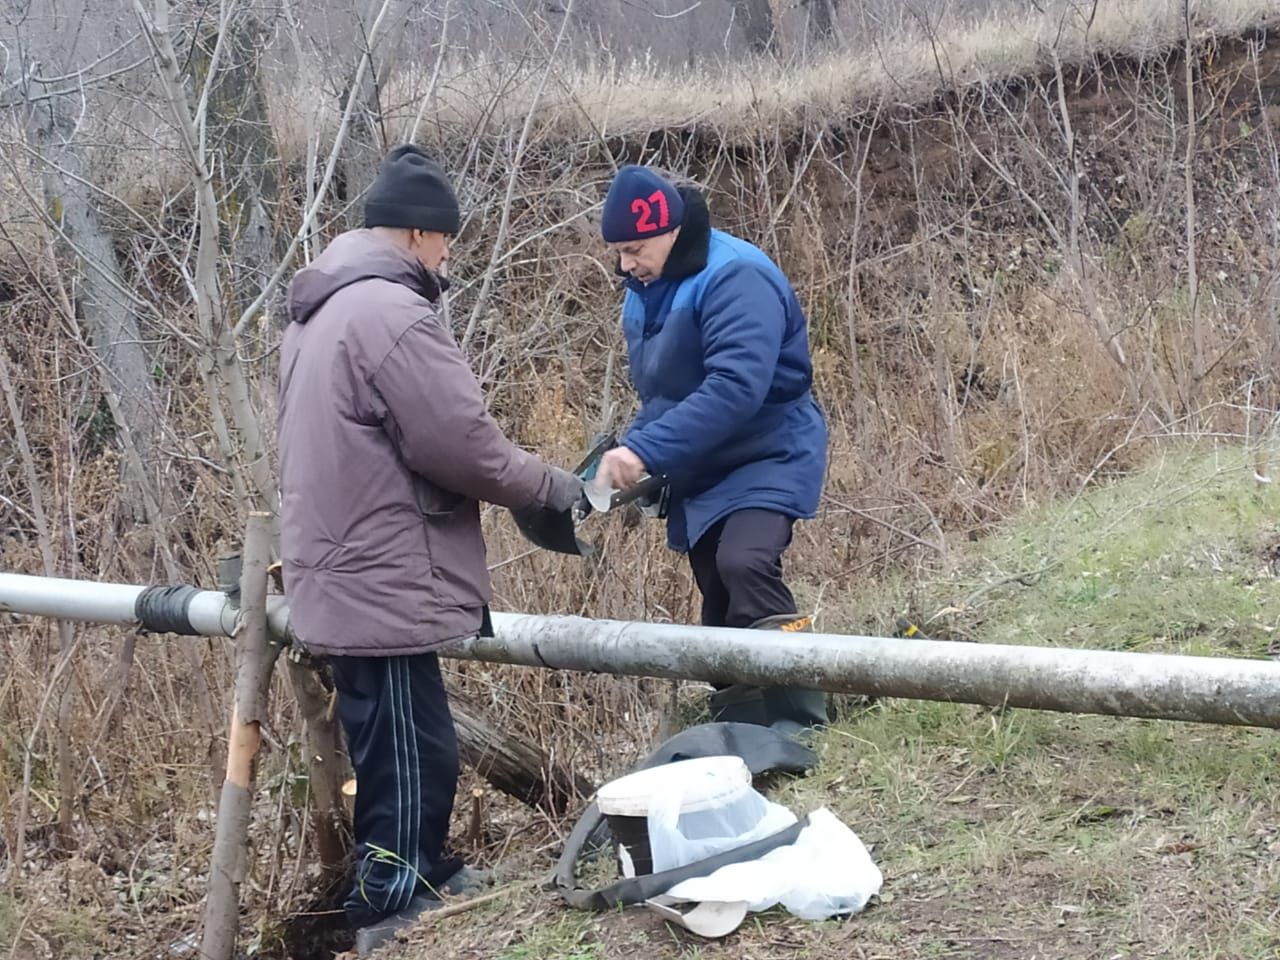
(403, 747)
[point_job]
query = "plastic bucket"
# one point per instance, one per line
(705, 784)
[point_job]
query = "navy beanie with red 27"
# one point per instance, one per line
(640, 204)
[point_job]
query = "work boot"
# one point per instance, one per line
(369, 938)
(466, 881)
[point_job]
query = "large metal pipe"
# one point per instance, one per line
(1174, 687)
(1207, 689)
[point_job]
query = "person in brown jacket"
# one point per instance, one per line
(386, 448)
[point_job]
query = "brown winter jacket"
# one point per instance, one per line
(385, 446)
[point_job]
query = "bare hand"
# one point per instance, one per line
(620, 468)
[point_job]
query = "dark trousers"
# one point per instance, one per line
(738, 567)
(404, 749)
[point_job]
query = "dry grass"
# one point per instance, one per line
(617, 99)
(626, 99)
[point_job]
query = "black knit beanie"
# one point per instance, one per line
(411, 192)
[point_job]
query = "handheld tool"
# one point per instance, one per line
(557, 531)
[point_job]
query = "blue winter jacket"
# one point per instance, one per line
(719, 355)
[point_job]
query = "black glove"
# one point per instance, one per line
(566, 489)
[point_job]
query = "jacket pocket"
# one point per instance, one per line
(435, 501)
(455, 544)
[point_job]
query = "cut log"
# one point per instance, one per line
(515, 766)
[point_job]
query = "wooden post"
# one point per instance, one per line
(324, 762)
(255, 656)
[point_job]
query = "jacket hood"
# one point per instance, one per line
(354, 256)
(689, 254)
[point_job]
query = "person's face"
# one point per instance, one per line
(644, 259)
(431, 249)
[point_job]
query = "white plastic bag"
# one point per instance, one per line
(827, 872)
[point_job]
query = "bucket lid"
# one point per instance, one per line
(703, 783)
(710, 918)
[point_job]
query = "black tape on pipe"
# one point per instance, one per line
(164, 609)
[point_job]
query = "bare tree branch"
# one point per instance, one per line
(304, 229)
(221, 369)
(504, 224)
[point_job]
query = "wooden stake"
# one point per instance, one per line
(255, 656)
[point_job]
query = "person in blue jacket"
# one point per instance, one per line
(719, 355)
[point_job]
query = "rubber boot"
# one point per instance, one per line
(738, 703)
(792, 710)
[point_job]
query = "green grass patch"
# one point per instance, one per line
(1179, 557)
(1015, 811)
(8, 920)
(570, 936)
